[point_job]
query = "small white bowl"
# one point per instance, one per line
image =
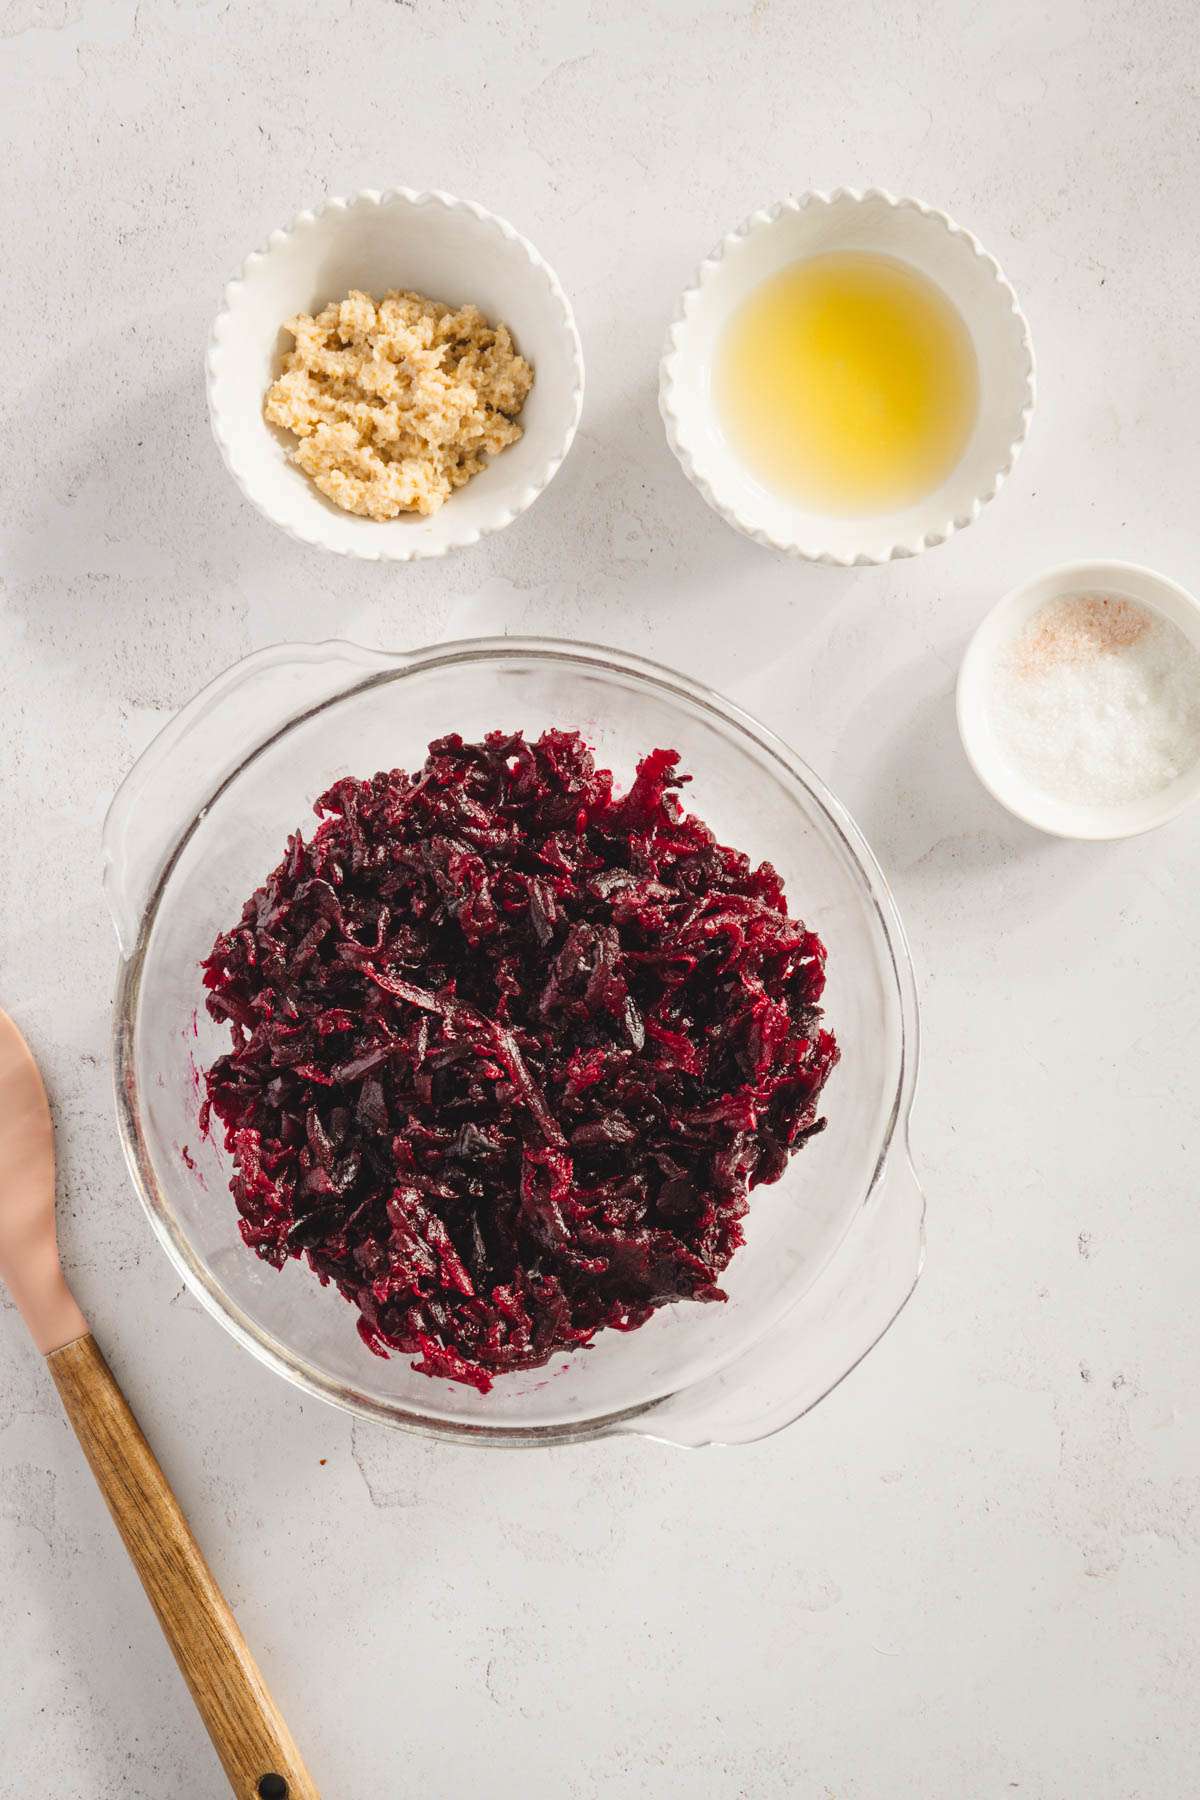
(1127, 581)
(445, 248)
(789, 232)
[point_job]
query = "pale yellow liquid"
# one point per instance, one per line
(848, 382)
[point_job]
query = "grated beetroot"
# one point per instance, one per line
(510, 1050)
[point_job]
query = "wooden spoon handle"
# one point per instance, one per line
(256, 1748)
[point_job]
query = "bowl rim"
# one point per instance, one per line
(671, 367)
(399, 551)
(387, 666)
(1017, 796)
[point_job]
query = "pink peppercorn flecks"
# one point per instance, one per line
(510, 1051)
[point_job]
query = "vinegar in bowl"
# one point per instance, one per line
(847, 382)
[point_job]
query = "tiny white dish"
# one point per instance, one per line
(1122, 580)
(815, 224)
(447, 249)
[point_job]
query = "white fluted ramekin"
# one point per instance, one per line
(788, 232)
(449, 249)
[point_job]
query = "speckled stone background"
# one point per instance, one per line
(974, 1573)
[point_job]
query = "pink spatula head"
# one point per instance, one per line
(249, 1734)
(29, 1265)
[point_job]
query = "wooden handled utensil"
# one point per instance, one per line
(248, 1731)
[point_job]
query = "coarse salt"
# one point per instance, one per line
(1097, 701)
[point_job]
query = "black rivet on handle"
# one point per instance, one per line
(273, 1787)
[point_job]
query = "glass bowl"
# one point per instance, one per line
(832, 1250)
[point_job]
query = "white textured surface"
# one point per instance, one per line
(975, 1571)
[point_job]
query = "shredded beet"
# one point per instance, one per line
(510, 1050)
